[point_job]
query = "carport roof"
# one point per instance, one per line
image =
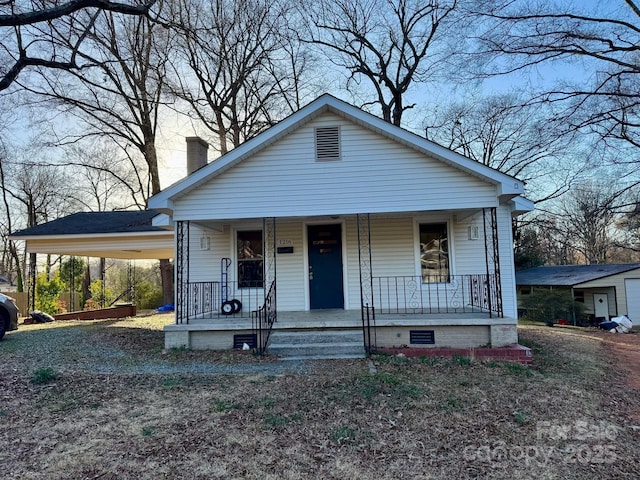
(121, 234)
(123, 221)
(570, 275)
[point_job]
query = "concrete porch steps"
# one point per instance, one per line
(316, 344)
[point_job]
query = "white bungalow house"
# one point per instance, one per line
(336, 221)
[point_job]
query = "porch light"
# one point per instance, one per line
(205, 242)
(473, 232)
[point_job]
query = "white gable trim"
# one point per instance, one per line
(508, 187)
(521, 205)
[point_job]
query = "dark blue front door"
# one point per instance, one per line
(325, 266)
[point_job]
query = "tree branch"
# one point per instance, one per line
(52, 13)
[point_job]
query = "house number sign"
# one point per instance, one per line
(284, 246)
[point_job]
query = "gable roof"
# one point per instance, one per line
(509, 187)
(124, 221)
(569, 275)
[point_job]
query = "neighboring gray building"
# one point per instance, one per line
(606, 290)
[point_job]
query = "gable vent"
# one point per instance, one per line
(327, 143)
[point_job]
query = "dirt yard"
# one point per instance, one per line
(624, 354)
(102, 400)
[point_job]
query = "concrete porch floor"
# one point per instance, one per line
(320, 319)
(450, 329)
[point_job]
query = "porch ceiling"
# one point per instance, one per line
(458, 214)
(150, 246)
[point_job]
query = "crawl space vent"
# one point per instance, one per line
(248, 338)
(421, 337)
(327, 144)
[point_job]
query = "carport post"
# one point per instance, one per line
(573, 310)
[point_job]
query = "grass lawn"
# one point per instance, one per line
(102, 400)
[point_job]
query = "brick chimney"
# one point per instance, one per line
(196, 154)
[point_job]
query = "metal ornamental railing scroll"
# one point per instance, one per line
(449, 294)
(263, 320)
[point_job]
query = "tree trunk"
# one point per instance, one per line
(166, 274)
(103, 279)
(166, 269)
(16, 258)
(32, 281)
(86, 285)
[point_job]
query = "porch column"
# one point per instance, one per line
(182, 272)
(492, 261)
(72, 283)
(131, 275)
(269, 249)
(367, 305)
(363, 222)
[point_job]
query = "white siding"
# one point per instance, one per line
(507, 266)
(290, 268)
(204, 265)
(614, 285)
(393, 251)
(375, 175)
(632, 293)
(469, 254)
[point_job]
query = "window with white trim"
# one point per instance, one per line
(434, 252)
(250, 259)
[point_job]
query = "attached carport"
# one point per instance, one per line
(121, 234)
(125, 235)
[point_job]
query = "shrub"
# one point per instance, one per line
(148, 295)
(91, 304)
(98, 295)
(72, 273)
(43, 376)
(48, 293)
(549, 306)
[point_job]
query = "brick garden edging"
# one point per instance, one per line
(515, 353)
(120, 311)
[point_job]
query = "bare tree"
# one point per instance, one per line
(12, 263)
(106, 178)
(26, 27)
(117, 93)
(238, 70)
(599, 37)
(39, 194)
(588, 216)
(391, 43)
(505, 133)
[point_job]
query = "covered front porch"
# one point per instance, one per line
(443, 309)
(461, 330)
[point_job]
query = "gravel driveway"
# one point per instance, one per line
(129, 346)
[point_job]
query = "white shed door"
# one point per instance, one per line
(601, 305)
(632, 290)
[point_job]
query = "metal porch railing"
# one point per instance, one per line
(204, 300)
(263, 319)
(445, 294)
(369, 328)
